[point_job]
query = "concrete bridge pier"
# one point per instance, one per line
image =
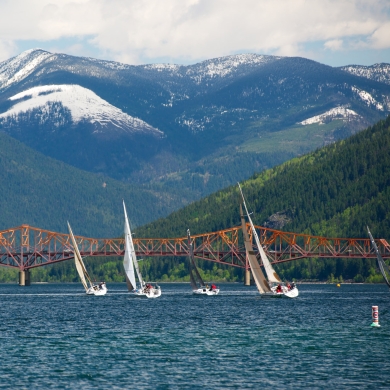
(24, 277)
(247, 278)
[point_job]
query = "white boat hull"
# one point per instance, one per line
(149, 293)
(206, 291)
(97, 290)
(293, 293)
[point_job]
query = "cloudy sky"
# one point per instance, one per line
(334, 32)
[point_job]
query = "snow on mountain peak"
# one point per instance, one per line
(215, 68)
(226, 65)
(161, 67)
(83, 105)
(19, 67)
(377, 72)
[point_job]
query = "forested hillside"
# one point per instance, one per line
(335, 191)
(43, 192)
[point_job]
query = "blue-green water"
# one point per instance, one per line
(54, 336)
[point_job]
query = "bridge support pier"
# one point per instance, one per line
(247, 281)
(24, 278)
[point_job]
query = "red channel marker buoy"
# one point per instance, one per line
(375, 316)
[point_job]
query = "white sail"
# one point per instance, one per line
(129, 255)
(272, 276)
(195, 278)
(258, 276)
(79, 262)
(128, 266)
(130, 260)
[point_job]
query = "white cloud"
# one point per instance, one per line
(334, 44)
(7, 49)
(380, 39)
(136, 31)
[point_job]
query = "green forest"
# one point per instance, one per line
(40, 191)
(335, 191)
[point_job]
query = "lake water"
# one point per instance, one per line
(53, 336)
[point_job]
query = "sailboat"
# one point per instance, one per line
(197, 283)
(90, 287)
(130, 263)
(270, 286)
(384, 268)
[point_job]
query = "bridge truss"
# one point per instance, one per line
(27, 247)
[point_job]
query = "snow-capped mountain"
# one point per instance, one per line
(18, 68)
(185, 127)
(215, 68)
(83, 105)
(39, 62)
(377, 72)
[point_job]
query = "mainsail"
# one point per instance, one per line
(195, 278)
(382, 265)
(258, 276)
(272, 276)
(79, 262)
(130, 259)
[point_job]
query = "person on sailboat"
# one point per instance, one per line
(292, 285)
(279, 288)
(213, 287)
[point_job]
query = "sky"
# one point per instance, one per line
(333, 32)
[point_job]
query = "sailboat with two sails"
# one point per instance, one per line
(89, 286)
(270, 286)
(130, 264)
(384, 268)
(198, 285)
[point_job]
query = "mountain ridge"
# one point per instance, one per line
(222, 119)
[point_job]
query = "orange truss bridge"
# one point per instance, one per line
(26, 247)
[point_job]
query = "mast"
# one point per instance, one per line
(272, 276)
(80, 267)
(130, 258)
(382, 265)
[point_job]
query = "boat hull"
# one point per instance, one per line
(97, 290)
(150, 293)
(206, 291)
(292, 293)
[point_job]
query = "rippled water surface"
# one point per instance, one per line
(54, 336)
